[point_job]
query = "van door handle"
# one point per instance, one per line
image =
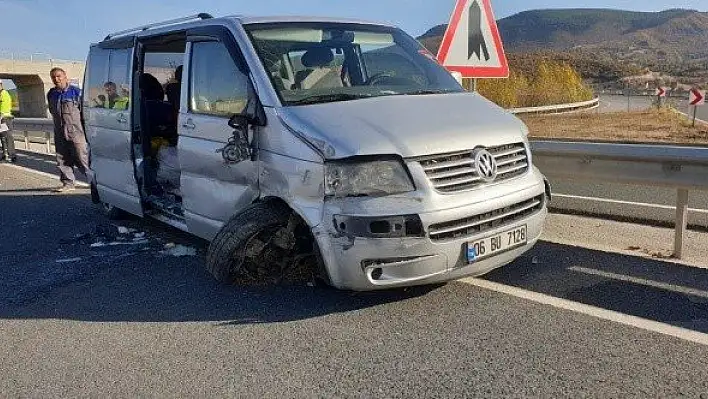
(121, 118)
(189, 124)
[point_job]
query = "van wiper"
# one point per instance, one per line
(325, 98)
(428, 91)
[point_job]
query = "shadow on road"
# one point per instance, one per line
(37, 161)
(652, 289)
(147, 288)
(57, 261)
(41, 162)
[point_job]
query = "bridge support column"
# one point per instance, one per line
(32, 95)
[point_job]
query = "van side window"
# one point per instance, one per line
(97, 71)
(108, 79)
(218, 87)
(117, 87)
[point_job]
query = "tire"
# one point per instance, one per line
(108, 210)
(111, 212)
(229, 244)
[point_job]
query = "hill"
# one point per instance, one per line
(619, 42)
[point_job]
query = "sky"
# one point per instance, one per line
(63, 29)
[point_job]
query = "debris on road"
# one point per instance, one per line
(651, 253)
(69, 260)
(124, 230)
(178, 250)
(114, 243)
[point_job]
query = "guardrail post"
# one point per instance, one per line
(49, 143)
(26, 133)
(681, 221)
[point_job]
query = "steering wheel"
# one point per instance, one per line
(375, 78)
(389, 79)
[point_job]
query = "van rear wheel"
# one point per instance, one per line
(108, 210)
(265, 244)
(111, 211)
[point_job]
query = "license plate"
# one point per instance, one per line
(496, 244)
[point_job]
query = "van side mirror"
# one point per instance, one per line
(238, 147)
(238, 121)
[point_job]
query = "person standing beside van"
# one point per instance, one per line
(69, 138)
(8, 142)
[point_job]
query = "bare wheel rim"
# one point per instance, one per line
(260, 260)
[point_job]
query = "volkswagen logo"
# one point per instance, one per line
(485, 164)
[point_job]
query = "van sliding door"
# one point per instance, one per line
(108, 120)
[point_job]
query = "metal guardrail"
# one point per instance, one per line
(34, 130)
(34, 57)
(41, 124)
(678, 167)
(559, 108)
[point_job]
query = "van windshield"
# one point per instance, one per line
(311, 63)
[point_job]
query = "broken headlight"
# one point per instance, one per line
(363, 178)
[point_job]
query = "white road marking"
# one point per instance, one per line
(636, 280)
(619, 202)
(609, 315)
(45, 174)
(690, 117)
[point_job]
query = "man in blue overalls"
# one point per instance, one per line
(69, 138)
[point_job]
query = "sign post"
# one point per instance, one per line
(696, 98)
(472, 45)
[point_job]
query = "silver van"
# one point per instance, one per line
(338, 144)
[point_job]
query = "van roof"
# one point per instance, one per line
(291, 18)
(207, 19)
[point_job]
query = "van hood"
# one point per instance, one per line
(410, 126)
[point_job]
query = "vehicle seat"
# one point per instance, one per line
(159, 114)
(173, 90)
(316, 61)
(151, 87)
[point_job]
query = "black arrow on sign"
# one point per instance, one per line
(476, 43)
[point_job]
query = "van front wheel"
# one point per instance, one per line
(265, 244)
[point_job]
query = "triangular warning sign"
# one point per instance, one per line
(472, 45)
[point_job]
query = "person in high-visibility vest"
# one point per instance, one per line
(8, 142)
(115, 101)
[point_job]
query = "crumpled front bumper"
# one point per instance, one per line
(371, 263)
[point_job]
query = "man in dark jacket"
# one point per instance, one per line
(69, 137)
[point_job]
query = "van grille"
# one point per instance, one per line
(477, 224)
(456, 171)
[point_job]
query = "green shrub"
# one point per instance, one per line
(551, 83)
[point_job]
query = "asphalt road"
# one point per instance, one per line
(615, 103)
(619, 200)
(82, 317)
(627, 202)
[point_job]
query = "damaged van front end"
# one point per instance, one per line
(402, 176)
(394, 241)
(427, 198)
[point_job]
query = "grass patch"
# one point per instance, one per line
(550, 83)
(650, 126)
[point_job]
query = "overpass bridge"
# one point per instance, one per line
(31, 76)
